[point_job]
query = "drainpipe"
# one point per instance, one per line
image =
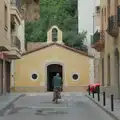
(93, 23)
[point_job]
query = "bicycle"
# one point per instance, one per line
(57, 95)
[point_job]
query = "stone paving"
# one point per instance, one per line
(115, 113)
(72, 106)
(6, 100)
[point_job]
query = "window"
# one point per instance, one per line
(54, 34)
(108, 7)
(103, 71)
(102, 11)
(105, 14)
(6, 22)
(109, 78)
(34, 76)
(116, 4)
(12, 24)
(117, 63)
(75, 76)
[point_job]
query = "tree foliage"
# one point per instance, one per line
(62, 13)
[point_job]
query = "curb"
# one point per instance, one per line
(104, 109)
(10, 104)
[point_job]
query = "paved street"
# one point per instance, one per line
(39, 107)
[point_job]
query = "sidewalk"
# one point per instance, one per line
(115, 114)
(7, 100)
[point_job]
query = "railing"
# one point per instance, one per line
(102, 35)
(102, 41)
(15, 42)
(113, 26)
(101, 98)
(118, 15)
(16, 3)
(96, 38)
(98, 41)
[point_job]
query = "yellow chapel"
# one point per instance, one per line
(35, 70)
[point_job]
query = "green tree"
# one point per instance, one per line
(62, 13)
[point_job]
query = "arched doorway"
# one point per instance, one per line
(52, 69)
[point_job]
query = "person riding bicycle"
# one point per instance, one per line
(57, 84)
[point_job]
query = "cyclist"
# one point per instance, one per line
(57, 84)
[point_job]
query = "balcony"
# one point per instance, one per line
(4, 41)
(118, 15)
(15, 52)
(16, 9)
(113, 26)
(98, 41)
(15, 42)
(16, 3)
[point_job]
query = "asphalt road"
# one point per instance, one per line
(72, 106)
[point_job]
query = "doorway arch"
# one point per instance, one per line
(52, 69)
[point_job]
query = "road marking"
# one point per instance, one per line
(43, 107)
(67, 94)
(39, 94)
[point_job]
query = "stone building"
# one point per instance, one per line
(109, 47)
(11, 42)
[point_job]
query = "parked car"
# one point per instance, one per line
(94, 87)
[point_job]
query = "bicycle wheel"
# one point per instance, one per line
(56, 97)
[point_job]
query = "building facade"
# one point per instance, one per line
(96, 27)
(108, 44)
(10, 42)
(38, 66)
